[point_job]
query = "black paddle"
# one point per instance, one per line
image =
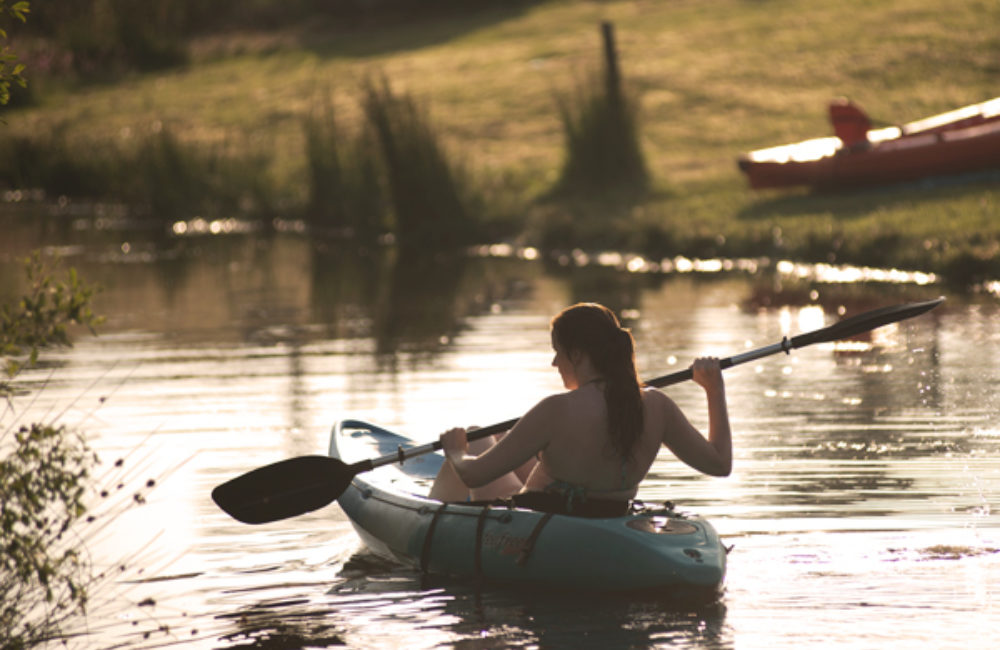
(298, 485)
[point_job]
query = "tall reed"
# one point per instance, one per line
(346, 192)
(428, 194)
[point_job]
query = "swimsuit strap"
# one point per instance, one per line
(571, 491)
(579, 493)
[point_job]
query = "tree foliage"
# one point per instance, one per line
(41, 317)
(10, 69)
(43, 577)
(44, 472)
(104, 38)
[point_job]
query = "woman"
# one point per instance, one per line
(585, 451)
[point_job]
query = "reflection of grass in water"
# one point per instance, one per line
(951, 552)
(280, 625)
(946, 552)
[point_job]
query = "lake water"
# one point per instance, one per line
(862, 509)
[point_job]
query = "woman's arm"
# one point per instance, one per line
(713, 456)
(530, 435)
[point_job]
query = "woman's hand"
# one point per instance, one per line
(455, 442)
(707, 373)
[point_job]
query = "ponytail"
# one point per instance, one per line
(595, 331)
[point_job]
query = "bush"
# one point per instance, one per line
(43, 473)
(107, 37)
(41, 317)
(43, 577)
(10, 69)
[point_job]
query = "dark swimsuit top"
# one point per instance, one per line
(578, 494)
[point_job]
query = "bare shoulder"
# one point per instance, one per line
(653, 397)
(660, 408)
(547, 411)
(554, 408)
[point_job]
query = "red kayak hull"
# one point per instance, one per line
(957, 142)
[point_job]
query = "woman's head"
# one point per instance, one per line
(593, 331)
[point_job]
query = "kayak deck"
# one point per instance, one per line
(651, 549)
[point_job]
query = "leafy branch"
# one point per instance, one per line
(10, 70)
(44, 472)
(40, 318)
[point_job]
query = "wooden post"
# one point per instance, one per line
(612, 76)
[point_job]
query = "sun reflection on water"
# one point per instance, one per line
(821, 273)
(862, 499)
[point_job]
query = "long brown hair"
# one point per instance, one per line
(594, 330)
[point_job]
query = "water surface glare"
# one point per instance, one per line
(862, 509)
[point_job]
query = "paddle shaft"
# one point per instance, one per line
(298, 485)
(659, 382)
(848, 327)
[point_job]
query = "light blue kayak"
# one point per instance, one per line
(650, 550)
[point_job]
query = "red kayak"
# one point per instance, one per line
(956, 142)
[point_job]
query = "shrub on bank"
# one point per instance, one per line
(43, 474)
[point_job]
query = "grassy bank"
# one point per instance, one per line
(712, 79)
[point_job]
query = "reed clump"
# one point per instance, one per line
(346, 193)
(601, 134)
(427, 192)
(389, 176)
(49, 162)
(158, 175)
(172, 179)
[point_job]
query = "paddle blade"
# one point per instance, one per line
(284, 489)
(865, 322)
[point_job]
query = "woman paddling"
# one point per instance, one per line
(586, 450)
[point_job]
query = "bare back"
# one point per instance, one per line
(567, 432)
(579, 451)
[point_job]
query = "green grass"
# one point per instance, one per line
(714, 78)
